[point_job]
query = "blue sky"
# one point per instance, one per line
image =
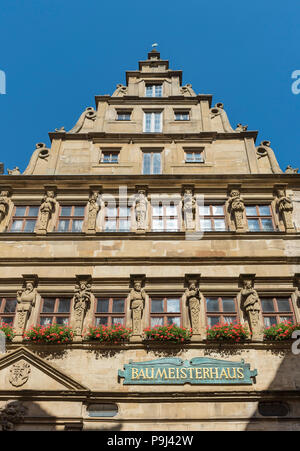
(58, 54)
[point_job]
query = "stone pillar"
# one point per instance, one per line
(81, 304)
(249, 303)
(236, 208)
(284, 208)
(136, 301)
(26, 301)
(47, 208)
(194, 301)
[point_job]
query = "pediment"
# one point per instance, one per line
(21, 369)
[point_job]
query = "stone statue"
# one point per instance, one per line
(93, 209)
(47, 208)
(120, 91)
(11, 415)
(141, 205)
(89, 113)
(290, 170)
(192, 297)
(264, 150)
(241, 128)
(137, 297)
(189, 209)
(82, 302)
(4, 204)
(26, 300)
(250, 304)
(218, 110)
(41, 153)
(236, 208)
(15, 171)
(284, 207)
(187, 90)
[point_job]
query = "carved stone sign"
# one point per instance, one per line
(199, 370)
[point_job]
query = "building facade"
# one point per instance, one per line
(151, 211)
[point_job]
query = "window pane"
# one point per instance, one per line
(213, 320)
(189, 156)
(77, 225)
(171, 210)
(229, 319)
(212, 305)
(284, 319)
(228, 305)
(173, 305)
(146, 163)
(204, 210)
(206, 224)
(64, 305)
(78, 211)
(157, 306)
(158, 90)
(10, 305)
(199, 157)
(110, 225)
(171, 225)
(158, 224)
(173, 320)
(264, 210)
(267, 224)
(20, 211)
(149, 89)
(117, 320)
(218, 210)
(33, 211)
(48, 305)
(124, 225)
(118, 306)
(44, 321)
(124, 212)
(157, 210)
(111, 211)
(65, 211)
(157, 321)
(101, 321)
(29, 225)
(148, 122)
(267, 305)
(253, 225)
(16, 226)
(251, 210)
(156, 163)
(270, 321)
(7, 320)
(63, 320)
(157, 122)
(283, 305)
(102, 305)
(220, 224)
(63, 226)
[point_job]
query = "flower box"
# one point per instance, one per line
(280, 332)
(8, 330)
(168, 334)
(228, 332)
(108, 334)
(52, 333)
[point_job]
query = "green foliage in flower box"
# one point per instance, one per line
(8, 330)
(279, 332)
(52, 333)
(168, 334)
(228, 332)
(109, 334)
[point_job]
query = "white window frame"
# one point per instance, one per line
(152, 121)
(153, 89)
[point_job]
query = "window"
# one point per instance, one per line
(212, 218)
(151, 163)
(259, 218)
(221, 310)
(55, 311)
(110, 156)
(24, 219)
(7, 310)
(153, 122)
(182, 116)
(123, 115)
(153, 90)
(117, 219)
(165, 218)
(277, 310)
(194, 156)
(70, 218)
(165, 311)
(102, 410)
(110, 311)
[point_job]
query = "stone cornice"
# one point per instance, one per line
(136, 100)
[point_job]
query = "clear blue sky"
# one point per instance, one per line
(58, 54)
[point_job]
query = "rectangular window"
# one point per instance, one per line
(71, 218)
(165, 311)
(110, 311)
(110, 156)
(194, 156)
(212, 218)
(153, 90)
(55, 311)
(151, 163)
(260, 218)
(117, 218)
(7, 310)
(153, 122)
(277, 310)
(182, 116)
(123, 115)
(221, 310)
(165, 218)
(24, 219)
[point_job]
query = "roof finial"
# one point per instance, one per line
(154, 45)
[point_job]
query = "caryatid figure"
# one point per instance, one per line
(250, 304)
(93, 209)
(236, 209)
(137, 297)
(4, 204)
(26, 300)
(284, 207)
(193, 298)
(141, 205)
(189, 209)
(47, 208)
(82, 302)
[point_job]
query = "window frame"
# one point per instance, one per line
(3, 314)
(55, 314)
(164, 217)
(23, 218)
(111, 153)
(70, 218)
(213, 217)
(165, 314)
(152, 153)
(276, 313)
(153, 121)
(259, 217)
(194, 152)
(117, 217)
(221, 313)
(182, 113)
(123, 113)
(153, 86)
(110, 314)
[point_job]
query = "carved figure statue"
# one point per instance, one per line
(41, 153)
(46, 210)
(15, 171)
(236, 209)
(11, 415)
(120, 91)
(137, 298)
(82, 302)
(290, 170)
(189, 209)
(251, 306)
(141, 210)
(192, 297)
(26, 299)
(4, 204)
(93, 209)
(284, 206)
(264, 150)
(187, 90)
(218, 110)
(241, 128)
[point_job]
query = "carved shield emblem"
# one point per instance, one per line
(19, 373)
